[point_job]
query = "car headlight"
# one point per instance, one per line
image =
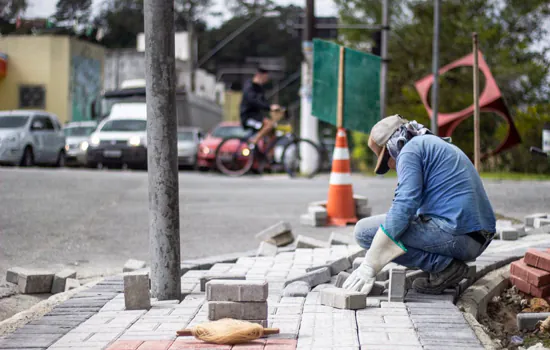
(94, 141)
(205, 150)
(67, 147)
(134, 141)
(84, 145)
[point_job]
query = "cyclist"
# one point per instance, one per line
(254, 105)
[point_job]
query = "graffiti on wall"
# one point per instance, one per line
(85, 85)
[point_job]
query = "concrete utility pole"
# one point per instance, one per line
(435, 63)
(308, 124)
(477, 143)
(384, 56)
(191, 48)
(164, 223)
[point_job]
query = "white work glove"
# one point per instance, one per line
(381, 252)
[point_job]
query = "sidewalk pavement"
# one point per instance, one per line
(96, 319)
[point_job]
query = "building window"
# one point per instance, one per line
(32, 96)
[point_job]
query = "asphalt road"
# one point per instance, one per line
(95, 220)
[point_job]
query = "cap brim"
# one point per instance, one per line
(382, 163)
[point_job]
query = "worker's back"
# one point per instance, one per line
(452, 189)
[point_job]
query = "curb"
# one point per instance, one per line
(473, 302)
(38, 310)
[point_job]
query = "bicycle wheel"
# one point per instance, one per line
(233, 157)
(293, 154)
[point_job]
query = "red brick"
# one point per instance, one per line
(530, 274)
(538, 259)
(156, 345)
(252, 345)
(190, 343)
(125, 345)
(526, 287)
(280, 344)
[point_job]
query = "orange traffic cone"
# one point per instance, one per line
(340, 204)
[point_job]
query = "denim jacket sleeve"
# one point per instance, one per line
(408, 194)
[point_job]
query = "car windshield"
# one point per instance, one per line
(13, 121)
(79, 130)
(185, 136)
(229, 131)
(125, 125)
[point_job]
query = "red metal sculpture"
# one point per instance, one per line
(490, 101)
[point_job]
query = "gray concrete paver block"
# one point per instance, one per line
(34, 282)
(339, 265)
(237, 290)
(241, 311)
(343, 299)
(219, 276)
(71, 283)
(341, 239)
(311, 220)
(296, 289)
(342, 277)
(313, 278)
(529, 320)
(136, 291)
(309, 242)
(60, 279)
(133, 265)
(12, 275)
(397, 285)
(266, 249)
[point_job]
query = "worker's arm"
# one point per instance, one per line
(256, 99)
(408, 194)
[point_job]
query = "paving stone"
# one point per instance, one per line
(318, 212)
(309, 242)
(339, 265)
(311, 220)
(136, 291)
(317, 267)
(529, 220)
(60, 279)
(279, 228)
(12, 275)
(34, 282)
(372, 302)
(28, 341)
(343, 299)
(363, 211)
(540, 222)
(133, 265)
(236, 290)
(377, 289)
(266, 249)
(529, 274)
(412, 275)
(357, 252)
(341, 239)
(397, 285)
(360, 200)
(237, 310)
(71, 283)
(221, 276)
(313, 278)
(538, 259)
(529, 320)
(296, 289)
(508, 234)
(342, 277)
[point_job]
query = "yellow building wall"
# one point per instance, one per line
(231, 105)
(70, 70)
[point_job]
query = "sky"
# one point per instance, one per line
(44, 8)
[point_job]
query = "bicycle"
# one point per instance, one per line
(235, 157)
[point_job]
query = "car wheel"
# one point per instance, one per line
(60, 163)
(28, 157)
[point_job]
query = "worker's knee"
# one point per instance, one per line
(366, 228)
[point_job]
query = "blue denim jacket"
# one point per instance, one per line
(436, 179)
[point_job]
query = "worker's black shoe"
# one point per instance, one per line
(438, 282)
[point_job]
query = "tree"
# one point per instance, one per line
(508, 32)
(73, 10)
(10, 9)
(121, 21)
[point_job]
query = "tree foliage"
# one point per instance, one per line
(74, 10)
(10, 9)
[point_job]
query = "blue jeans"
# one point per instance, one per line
(429, 247)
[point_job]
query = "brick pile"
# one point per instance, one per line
(531, 274)
(238, 299)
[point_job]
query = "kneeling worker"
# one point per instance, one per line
(440, 216)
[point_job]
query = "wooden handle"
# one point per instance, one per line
(184, 332)
(268, 331)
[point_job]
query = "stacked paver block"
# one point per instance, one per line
(531, 274)
(540, 222)
(362, 209)
(279, 234)
(313, 278)
(60, 280)
(530, 219)
(242, 300)
(219, 276)
(310, 242)
(136, 291)
(398, 285)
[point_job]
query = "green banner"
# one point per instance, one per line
(361, 86)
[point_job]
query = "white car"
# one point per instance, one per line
(77, 135)
(31, 137)
(121, 138)
(188, 146)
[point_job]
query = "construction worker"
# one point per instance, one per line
(440, 217)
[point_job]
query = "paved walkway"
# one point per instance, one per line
(96, 319)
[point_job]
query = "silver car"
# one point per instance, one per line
(77, 136)
(188, 145)
(31, 137)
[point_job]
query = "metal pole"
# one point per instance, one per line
(309, 126)
(435, 63)
(477, 162)
(384, 56)
(164, 224)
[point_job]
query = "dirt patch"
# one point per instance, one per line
(13, 304)
(500, 322)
